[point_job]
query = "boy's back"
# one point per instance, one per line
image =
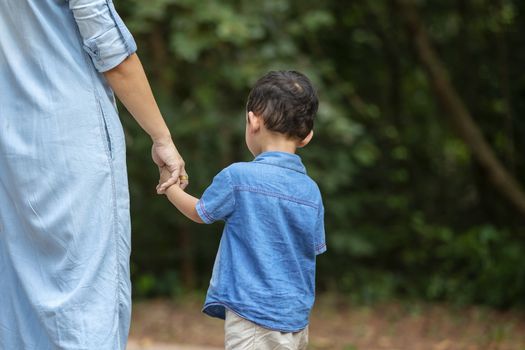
(265, 267)
(263, 281)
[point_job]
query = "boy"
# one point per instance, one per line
(263, 280)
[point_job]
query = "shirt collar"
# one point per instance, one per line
(282, 159)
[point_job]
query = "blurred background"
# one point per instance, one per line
(418, 146)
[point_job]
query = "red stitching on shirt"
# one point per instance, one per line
(208, 216)
(277, 195)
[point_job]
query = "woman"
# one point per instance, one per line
(64, 207)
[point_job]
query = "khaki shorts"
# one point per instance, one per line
(241, 334)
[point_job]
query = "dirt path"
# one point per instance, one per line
(336, 325)
(146, 345)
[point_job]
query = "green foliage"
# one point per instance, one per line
(408, 211)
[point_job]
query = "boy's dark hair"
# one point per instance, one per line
(287, 102)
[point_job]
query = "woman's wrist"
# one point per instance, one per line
(162, 138)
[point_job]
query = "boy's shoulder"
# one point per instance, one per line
(238, 171)
(254, 173)
(241, 169)
(238, 167)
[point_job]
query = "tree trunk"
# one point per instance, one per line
(460, 117)
(503, 62)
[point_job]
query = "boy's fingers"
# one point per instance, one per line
(177, 177)
(159, 189)
(171, 181)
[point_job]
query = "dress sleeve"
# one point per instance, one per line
(105, 37)
(218, 201)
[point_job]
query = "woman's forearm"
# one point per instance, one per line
(131, 86)
(184, 202)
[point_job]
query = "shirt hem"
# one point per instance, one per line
(261, 324)
(320, 249)
(203, 214)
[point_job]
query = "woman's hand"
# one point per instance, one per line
(165, 154)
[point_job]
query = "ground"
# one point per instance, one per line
(337, 324)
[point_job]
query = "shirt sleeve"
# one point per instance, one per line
(105, 37)
(320, 241)
(218, 201)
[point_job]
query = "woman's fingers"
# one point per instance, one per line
(166, 155)
(184, 179)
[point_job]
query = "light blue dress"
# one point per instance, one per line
(64, 204)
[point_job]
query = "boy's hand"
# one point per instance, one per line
(183, 201)
(165, 175)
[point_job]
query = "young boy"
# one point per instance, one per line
(263, 280)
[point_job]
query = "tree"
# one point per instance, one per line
(459, 115)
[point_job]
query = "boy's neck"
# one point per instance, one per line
(277, 144)
(278, 148)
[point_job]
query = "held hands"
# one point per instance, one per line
(165, 176)
(183, 201)
(170, 163)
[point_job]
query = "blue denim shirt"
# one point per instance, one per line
(265, 267)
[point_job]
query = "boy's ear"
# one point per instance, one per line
(254, 122)
(306, 140)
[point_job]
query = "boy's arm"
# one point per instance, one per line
(184, 202)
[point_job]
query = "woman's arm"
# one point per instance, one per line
(131, 86)
(111, 47)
